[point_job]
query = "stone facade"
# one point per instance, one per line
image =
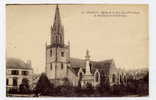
(57, 53)
(60, 66)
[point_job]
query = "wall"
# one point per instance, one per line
(72, 77)
(20, 76)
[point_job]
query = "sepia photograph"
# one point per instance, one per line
(77, 50)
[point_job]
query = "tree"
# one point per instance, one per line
(24, 86)
(66, 82)
(43, 87)
(66, 89)
(89, 89)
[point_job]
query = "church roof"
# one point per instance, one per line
(14, 63)
(77, 63)
(102, 66)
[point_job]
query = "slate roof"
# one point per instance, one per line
(102, 66)
(15, 63)
(77, 63)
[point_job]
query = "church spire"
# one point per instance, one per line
(57, 31)
(57, 18)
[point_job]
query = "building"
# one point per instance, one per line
(16, 71)
(60, 66)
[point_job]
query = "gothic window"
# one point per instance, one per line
(14, 81)
(61, 65)
(90, 66)
(97, 77)
(120, 79)
(14, 72)
(62, 54)
(80, 75)
(50, 52)
(51, 67)
(113, 78)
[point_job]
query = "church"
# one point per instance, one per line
(60, 66)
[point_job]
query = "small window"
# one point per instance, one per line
(51, 66)
(62, 54)
(25, 72)
(97, 77)
(80, 75)
(50, 53)
(7, 81)
(113, 79)
(61, 65)
(14, 72)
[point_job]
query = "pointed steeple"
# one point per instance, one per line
(57, 19)
(57, 30)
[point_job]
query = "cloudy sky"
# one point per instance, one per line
(122, 38)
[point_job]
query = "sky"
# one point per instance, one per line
(121, 38)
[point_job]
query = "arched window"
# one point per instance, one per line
(97, 77)
(61, 65)
(113, 78)
(62, 54)
(50, 53)
(51, 67)
(80, 75)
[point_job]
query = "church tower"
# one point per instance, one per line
(57, 31)
(57, 53)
